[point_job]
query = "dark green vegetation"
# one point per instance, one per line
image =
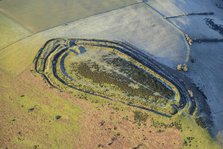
(105, 71)
(140, 117)
(117, 72)
(139, 75)
(53, 120)
(176, 124)
(148, 85)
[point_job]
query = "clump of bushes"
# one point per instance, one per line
(176, 124)
(140, 117)
(200, 122)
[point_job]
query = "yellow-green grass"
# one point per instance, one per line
(114, 88)
(188, 126)
(19, 57)
(10, 31)
(153, 73)
(47, 106)
(202, 139)
(44, 14)
(27, 128)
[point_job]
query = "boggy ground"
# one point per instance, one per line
(35, 115)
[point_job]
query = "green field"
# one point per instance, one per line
(10, 31)
(44, 14)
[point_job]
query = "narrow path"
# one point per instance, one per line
(176, 27)
(191, 14)
(62, 24)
